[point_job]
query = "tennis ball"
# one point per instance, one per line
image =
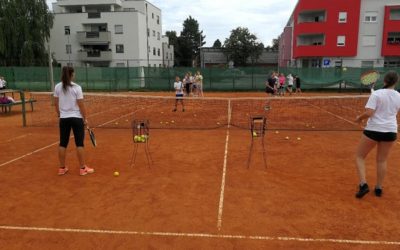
(116, 123)
(166, 122)
(254, 134)
(298, 138)
(287, 137)
(116, 173)
(172, 121)
(136, 138)
(161, 122)
(277, 132)
(344, 69)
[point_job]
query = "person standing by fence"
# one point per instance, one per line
(70, 108)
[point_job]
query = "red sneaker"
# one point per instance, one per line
(86, 170)
(62, 171)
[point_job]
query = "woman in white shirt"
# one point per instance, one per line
(68, 99)
(381, 131)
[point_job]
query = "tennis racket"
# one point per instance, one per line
(369, 78)
(92, 136)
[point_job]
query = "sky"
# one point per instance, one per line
(264, 18)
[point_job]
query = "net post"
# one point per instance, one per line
(22, 96)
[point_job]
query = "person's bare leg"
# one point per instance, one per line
(61, 156)
(381, 161)
(81, 156)
(364, 147)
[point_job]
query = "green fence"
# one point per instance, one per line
(142, 78)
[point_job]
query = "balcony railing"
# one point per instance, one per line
(94, 14)
(311, 40)
(311, 17)
(95, 55)
(94, 37)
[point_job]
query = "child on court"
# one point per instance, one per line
(381, 131)
(178, 86)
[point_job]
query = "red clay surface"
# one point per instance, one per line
(303, 200)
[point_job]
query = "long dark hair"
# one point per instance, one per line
(66, 76)
(391, 78)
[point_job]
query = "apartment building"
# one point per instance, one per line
(109, 33)
(342, 33)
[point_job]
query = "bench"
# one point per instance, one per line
(6, 107)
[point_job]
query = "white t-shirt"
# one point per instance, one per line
(386, 103)
(2, 83)
(290, 80)
(68, 100)
(178, 86)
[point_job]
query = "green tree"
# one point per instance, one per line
(275, 44)
(241, 46)
(189, 43)
(173, 40)
(217, 44)
(24, 30)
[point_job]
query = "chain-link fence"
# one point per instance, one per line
(156, 78)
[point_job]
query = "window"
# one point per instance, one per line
(342, 17)
(158, 35)
(341, 41)
(367, 64)
(152, 15)
(154, 51)
(369, 40)
(371, 17)
(158, 19)
(68, 49)
(154, 33)
(158, 52)
(67, 30)
(395, 14)
(393, 38)
(148, 32)
(166, 56)
(119, 48)
(148, 49)
(119, 29)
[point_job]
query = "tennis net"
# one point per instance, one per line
(287, 113)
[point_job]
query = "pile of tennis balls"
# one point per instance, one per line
(140, 138)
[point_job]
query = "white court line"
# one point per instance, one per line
(221, 196)
(18, 137)
(201, 235)
(30, 153)
(335, 115)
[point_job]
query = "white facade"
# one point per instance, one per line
(108, 33)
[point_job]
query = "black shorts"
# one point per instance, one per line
(77, 126)
(179, 97)
(380, 136)
(269, 90)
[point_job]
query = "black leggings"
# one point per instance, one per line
(77, 126)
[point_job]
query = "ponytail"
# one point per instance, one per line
(66, 77)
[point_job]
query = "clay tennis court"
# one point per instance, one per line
(198, 193)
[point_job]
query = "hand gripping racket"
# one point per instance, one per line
(92, 136)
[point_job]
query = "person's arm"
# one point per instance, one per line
(367, 114)
(57, 106)
(82, 108)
